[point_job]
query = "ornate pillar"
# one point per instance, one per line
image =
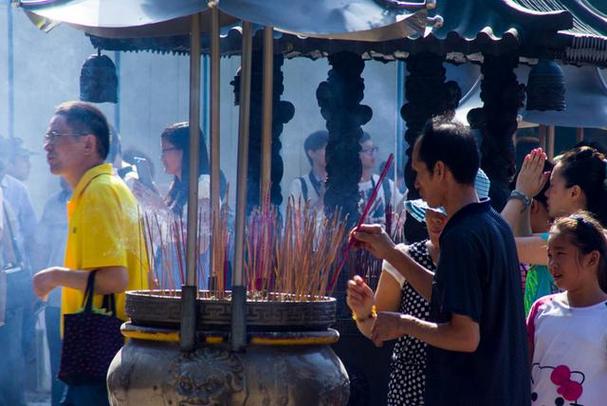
(502, 96)
(339, 99)
(427, 95)
(283, 112)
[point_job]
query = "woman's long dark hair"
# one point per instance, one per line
(178, 135)
(586, 167)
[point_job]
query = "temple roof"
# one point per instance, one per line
(587, 39)
(572, 31)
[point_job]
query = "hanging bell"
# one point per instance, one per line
(546, 87)
(98, 80)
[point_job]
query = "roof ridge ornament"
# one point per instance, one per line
(427, 4)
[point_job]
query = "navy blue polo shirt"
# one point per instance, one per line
(478, 276)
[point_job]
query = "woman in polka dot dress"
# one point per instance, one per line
(394, 293)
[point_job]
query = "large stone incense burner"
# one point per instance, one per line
(288, 360)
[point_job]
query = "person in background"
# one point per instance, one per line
(12, 365)
(310, 188)
(388, 193)
(18, 197)
(51, 236)
(568, 330)
(527, 213)
(477, 347)
(174, 141)
(103, 222)
(19, 165)
(20, 210)
(577, 182)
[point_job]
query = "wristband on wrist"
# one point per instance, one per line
(526, 200)
(371, 315)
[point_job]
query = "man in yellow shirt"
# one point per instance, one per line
(104, 232)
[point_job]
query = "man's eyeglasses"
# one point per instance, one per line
(52, 136)
(165, 150)
(370, 151)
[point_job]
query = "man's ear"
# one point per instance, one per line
(90, 144)
(439, 169)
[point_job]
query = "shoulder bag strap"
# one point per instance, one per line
(89, 292)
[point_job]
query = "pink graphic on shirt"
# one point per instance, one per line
(561, 377)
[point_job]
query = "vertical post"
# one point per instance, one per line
(266, 129)
(214, 138)
(541, 134)
(189, 290)
(11, 71)
(400, 156)
(579, 134)
(117, 118)
(550, 142)
(238, 335)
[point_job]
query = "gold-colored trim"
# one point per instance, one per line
(294, 341)
(172, 336)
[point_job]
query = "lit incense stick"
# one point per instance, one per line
(362, 218)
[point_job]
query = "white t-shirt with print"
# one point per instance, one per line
(570, 352)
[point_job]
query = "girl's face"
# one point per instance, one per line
(560, 199)
(568, 266)
(435, 222)
(171, 158)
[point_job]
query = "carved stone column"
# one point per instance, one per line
(428, 95)
(502, 96)
(339, 99)
(283, 112)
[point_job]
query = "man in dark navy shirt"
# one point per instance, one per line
(477, 352)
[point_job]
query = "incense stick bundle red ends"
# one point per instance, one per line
(362, 219)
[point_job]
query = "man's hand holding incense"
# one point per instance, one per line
(374, 239)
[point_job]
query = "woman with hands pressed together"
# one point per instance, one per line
(577, 182)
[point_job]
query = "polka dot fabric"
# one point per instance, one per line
(408, 377)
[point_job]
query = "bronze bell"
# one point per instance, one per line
(98, 80)
(546, 87)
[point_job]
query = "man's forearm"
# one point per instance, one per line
(440, 335)
(107, 280)
(418, 276)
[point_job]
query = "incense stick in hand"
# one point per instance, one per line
(362, 218)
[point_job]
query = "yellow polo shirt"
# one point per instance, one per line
(104, 231)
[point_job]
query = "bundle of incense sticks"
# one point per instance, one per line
(305, 252)
(362, 219)
(165, 243)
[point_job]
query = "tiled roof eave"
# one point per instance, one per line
(586, 49)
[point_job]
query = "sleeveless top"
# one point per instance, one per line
(408, 378)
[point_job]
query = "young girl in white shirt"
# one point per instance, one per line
(568, 330)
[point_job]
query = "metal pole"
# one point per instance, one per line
(550, 142)
(11, 71)
(117, 120)
(266, 129)
(399, 161)
(239, 292)
(215, 120)
(189, 290)
(579, 134)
